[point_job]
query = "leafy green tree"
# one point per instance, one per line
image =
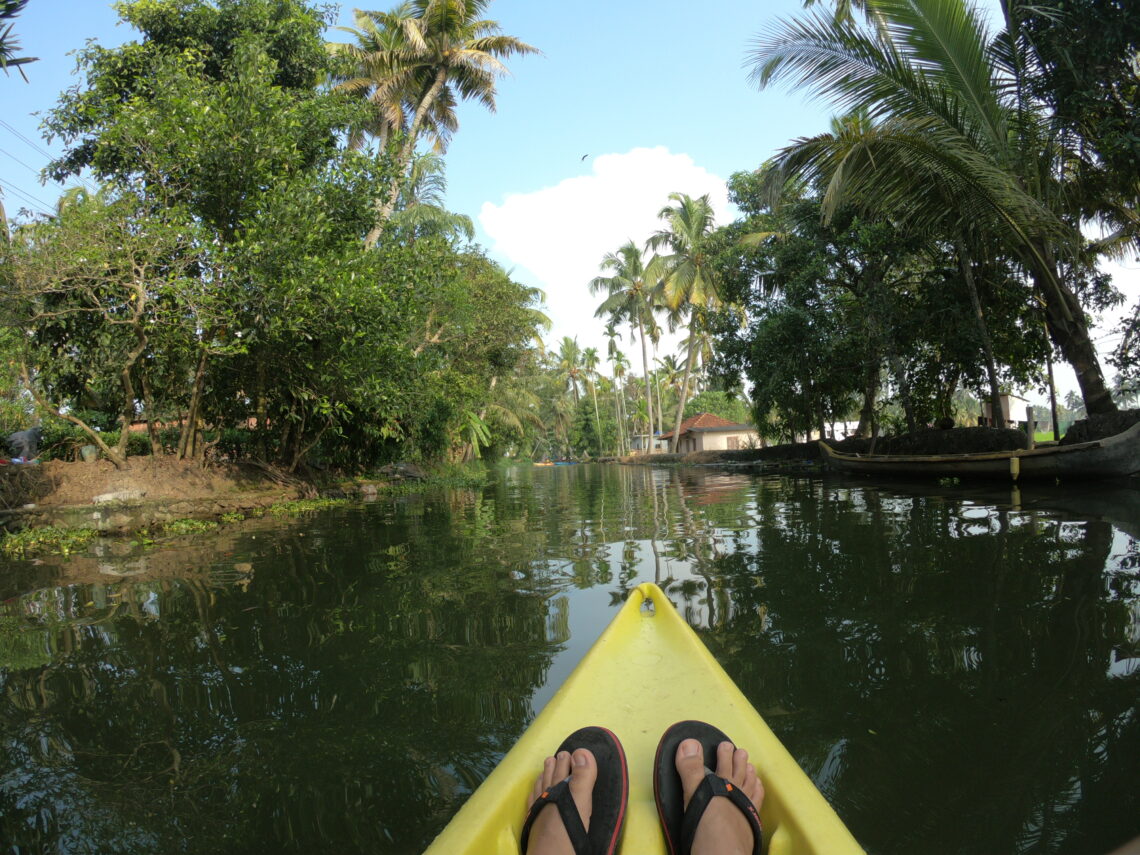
(1086, 71)
(719, 403)
(951, 112)
(98, 289)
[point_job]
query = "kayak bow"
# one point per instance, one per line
(647, 671)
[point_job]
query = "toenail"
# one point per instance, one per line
(690, 749)
(580, 760)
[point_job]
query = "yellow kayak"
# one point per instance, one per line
(647, 671)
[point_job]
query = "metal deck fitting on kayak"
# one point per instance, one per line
(647, 671)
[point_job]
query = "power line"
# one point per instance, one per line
(31, 200)
(31, 169)
(27, 141)
(38, 150)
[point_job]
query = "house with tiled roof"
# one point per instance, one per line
(706, 432)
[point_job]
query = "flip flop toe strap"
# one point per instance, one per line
(714, 786)
(559, 795)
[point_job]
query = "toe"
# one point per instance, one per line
(740, 765)
(690, 762)
(561, 770)
(725, 754)
(585, 773)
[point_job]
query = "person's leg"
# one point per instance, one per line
(723, 829)
(548, 834)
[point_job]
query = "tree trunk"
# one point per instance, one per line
(384, 212)
(648, 381)
(870, 392)
(188, 438)
(1068, 328)
(660, 408)
(904, 393)
(112, 455)
(151, 425)
(965, 262)
(675, 441)
(126, 415)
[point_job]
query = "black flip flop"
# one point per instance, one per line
(611, 793)
(679, 824)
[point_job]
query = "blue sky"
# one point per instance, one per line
(654, 94)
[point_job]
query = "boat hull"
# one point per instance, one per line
(647, 671)
(1113, 457)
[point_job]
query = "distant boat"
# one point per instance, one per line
(1112, 457)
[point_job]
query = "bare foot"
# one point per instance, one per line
(548, 834)
(723, 829)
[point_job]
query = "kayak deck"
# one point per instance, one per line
(647, 671)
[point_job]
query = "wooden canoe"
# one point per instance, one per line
(1112, 457)
(647, 671)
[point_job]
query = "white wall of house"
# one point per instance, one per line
(721, 441)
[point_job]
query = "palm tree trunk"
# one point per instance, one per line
(384, 211)
(1069, 330)
(684, 394)
(648, 382)
(660, 409)
(597, 418)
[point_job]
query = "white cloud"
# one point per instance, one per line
(560, 234)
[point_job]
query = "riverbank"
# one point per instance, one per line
(157, 491)
(805, 456)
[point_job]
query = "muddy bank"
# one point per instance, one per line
(152, 491)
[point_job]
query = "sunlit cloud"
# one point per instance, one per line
(555, 237)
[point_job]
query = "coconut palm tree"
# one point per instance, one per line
(376, 73)
(421, 212)
(568, 366)
(689, 287)
(950, 113)
(8, 45)
(631, 295)
(430, 54)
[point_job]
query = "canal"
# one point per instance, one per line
(958, 669)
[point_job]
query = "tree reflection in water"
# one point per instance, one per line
(957, 674)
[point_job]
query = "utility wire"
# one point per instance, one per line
(31, 200)
(27, 141)
(31, 169)
(40, 150)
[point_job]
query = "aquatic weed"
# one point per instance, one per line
(51, 540)
(188, 526)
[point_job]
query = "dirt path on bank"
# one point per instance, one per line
(58, 483)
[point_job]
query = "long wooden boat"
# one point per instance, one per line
(647, 671)
(1112, 457)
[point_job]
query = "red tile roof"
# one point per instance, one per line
(707, 422)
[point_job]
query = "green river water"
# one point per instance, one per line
(958, 669)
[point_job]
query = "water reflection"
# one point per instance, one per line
(957, 671)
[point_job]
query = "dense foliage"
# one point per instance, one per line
(219, 287)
